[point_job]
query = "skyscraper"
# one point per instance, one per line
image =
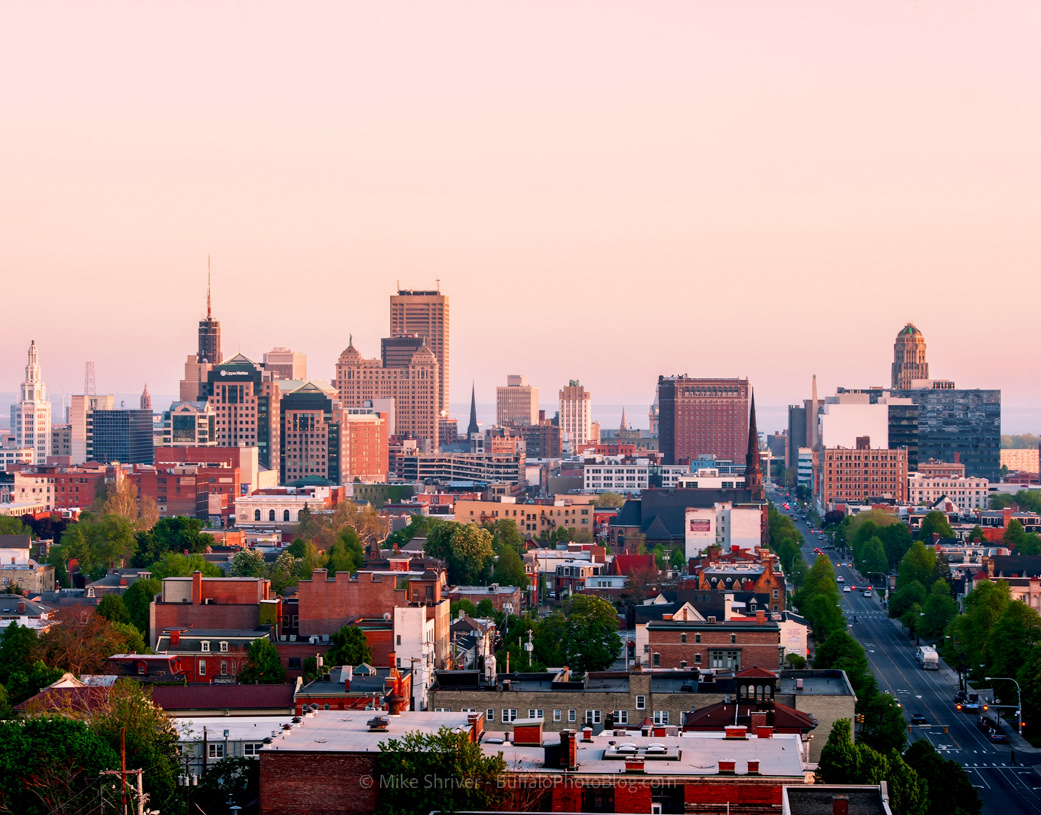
(31, 414)
(702, 417)
(247, 404)
(575, 413)
(909, 357)
(424, 314)
(209, 330)
(517, 403)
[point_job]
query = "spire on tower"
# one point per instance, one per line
(209, 311)
(623, 426)
(753, 469)
(146, 399)
(473, 428)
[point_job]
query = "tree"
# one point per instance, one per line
(122, 499)
(485, 608)
(843, 652)
(349, 647)
(913, 594)
(465, 606)
(98, 543)
(472, 554)
(22, 685)
(896, 538)
(47, 762)
(824, 616)
(421, 772)
(13, 526)
(263, 667)
(248, 563)
(178, 534)
(234, 777)
(1015, 633)
(509, 569)
(113, 609)
(951, 792)
(873, 557)
(795, 661)
(609, 499)
(137, 598)
(588, 633)
(1030, 545)
(884, 727)
(81, 642)
(840, 761)
(939, 609)
(918, 564)
(976, 535)
(18, 650)
(908, 792)
(346, 553)
(505, 533)
(934, 522)
(175, 565)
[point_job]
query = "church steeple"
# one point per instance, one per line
(623, 427)
(753, 469)
(473, 428)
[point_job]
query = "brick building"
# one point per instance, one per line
(533, 519)
(503, 598)
(208, 655)
(861, 474)
(213, 604)
(702, 416)
(720, 645)
(352, 688)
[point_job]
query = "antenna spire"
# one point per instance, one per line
(209, 312)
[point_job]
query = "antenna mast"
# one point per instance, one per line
(209, 313)
(90, 387)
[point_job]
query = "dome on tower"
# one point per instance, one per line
(350, 353)
(909, 329)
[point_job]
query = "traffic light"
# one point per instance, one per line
(959, 705)
(986, 708)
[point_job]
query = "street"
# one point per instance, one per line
(1005, 787)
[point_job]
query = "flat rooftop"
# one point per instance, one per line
(238, 728)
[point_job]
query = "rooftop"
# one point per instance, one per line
(216, 728)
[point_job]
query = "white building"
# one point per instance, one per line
(805, 468)
(203, 741)
(31, 414)
(280, 509)
(968, 494)
(414, 649)
(190, 424)
(517, 402)
(575, 414)
(710, 479)
(79, 411)
(722, 523)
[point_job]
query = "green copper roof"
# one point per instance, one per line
(910, 329)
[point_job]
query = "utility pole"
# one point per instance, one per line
(123, 772)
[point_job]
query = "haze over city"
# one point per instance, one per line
(607, 192)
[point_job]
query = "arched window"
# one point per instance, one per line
(285, 515)
(256, 515)
(271, 515)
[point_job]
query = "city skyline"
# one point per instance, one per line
(614, 189)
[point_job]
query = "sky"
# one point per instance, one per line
(606, 191)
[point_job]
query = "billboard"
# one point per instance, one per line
(700, 525)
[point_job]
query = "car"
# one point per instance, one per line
(971, 704)
(847, 589)
(997, 737)
(918, 718)
(840, 579)
(867, 593)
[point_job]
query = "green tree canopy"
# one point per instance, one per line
(939, 608)
(248, 563)
(509, 569)
(934, 522)
(263, 666)
(137, 599)
(918, 564)
(609, 499)
(98, 543)
(175, 565)
(587, 630)
(839, 762)
(349, 647)
(951, 792)
(346, 554)
(113, 609)
(178, 534)
(420, 772)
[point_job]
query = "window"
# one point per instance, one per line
(224, 647)
(205, 646)
(697, 659)
(215, 750)
(572, 715)
(657, 660)
(733, 639)
(224, 667)
(535, 713)
(697, 638)
(285, 516)
(202, 667)
(399, 639)
(271, 514)
(489, 715)
(621, 717)
(252, 748)
(661, 717)
(683, 638)
(592, 717)
(641, 702)
(556, 715)
(509, 714)
(256, 515)
(294, 663)
(775, 594)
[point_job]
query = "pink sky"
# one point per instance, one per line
(607, 191)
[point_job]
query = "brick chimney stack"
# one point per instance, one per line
(840, 805)
(196, 588)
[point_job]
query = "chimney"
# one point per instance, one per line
(175, 637)
(392, 660)
(476, 722)
(760, 617)
(568, 750)
(840, 805)
(727, 767)
(633, 764)
(753, 768)
(587, 734)
(764, 732)
(863, 442)
(196, 588)
(735, 732)
(346, 675)
(1006, 517)
(758, 719)
(21, 606)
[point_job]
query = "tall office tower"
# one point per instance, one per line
(79, 412)
(247, 407)
(425, 314)
(31, 414)
(146, 399)
(311, 434)
(209, 330)
(282, 363)
(518, 403)
(699, 417)
(575, 413)
(909, 357)
(396, 352)
(414, 390)
(121, 435)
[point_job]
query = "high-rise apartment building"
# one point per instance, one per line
(909, 357)
(575, 413)
(311, 443)
(31, 414)
(366, 453)
(190, 424)
(424, 314)
(699, 417)
(414, 389)
(283, 363)
(246, 405)
(517, 403)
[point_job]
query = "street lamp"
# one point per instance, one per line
(1019, 701)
